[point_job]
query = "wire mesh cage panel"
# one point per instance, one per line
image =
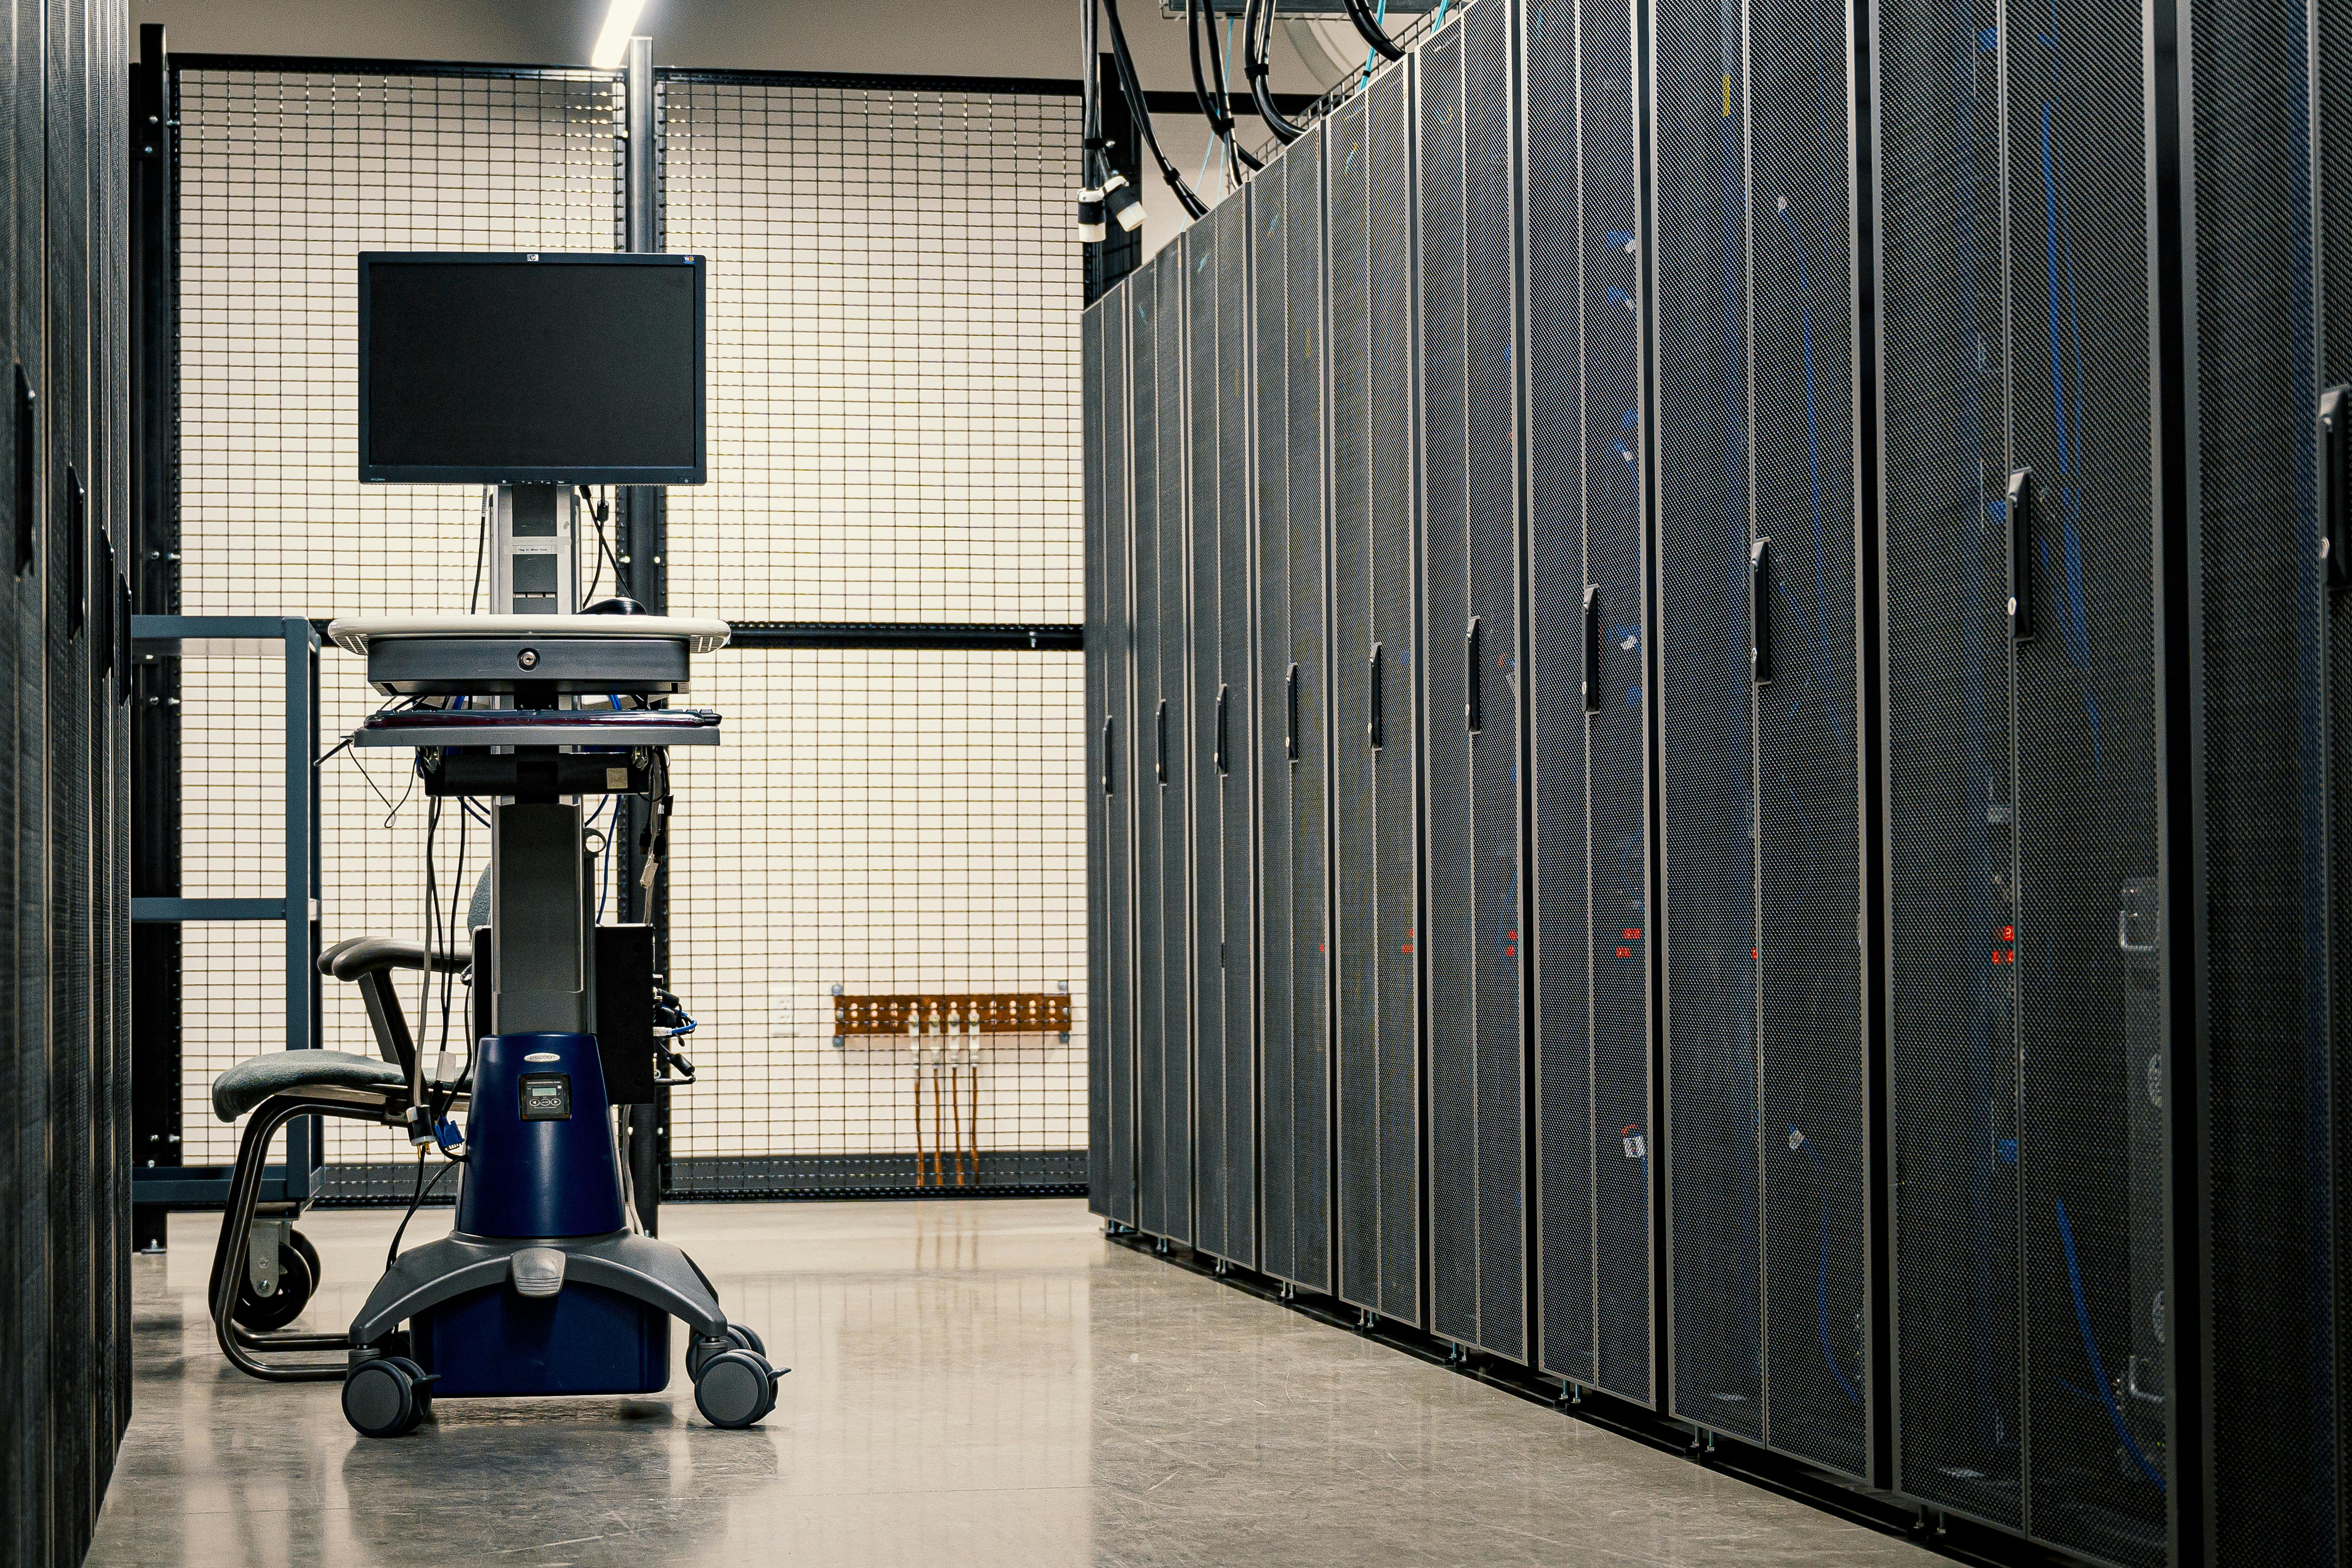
(878, 823)
(1587, 649)
(1759, 795)
(894, 395)
(284, 175)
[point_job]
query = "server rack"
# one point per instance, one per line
(1588, 636)
(2252, 470)
(1376, 860)
(2023, 831)
(1285, 203)
(1465, 206)
(1109, 654)
(1163, 861)
(24, 1218)
(1752, 284)
(1224, 949)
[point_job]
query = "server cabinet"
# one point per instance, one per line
(1587, 641)
(1376, 859)
(65, 553)
(1285, 205)
(2024, 944)
(1752, 289)
(1465, 204)
(1111, 740)
(2265, 249)
(1224, 948)
(24, 968)
(1163, 913)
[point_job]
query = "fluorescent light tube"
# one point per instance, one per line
(613, 43)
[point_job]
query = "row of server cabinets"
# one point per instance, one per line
(1720, 717)
(65, 658)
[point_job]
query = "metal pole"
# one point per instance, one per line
(644, 536)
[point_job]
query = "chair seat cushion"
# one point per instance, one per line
(251, 1081)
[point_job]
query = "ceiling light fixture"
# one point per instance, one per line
(613, 42)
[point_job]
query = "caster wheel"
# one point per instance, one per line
(310, 1254)
(740, 1338)
(735, 1388)
(298, 1279)
(421, 1384)
(380, 1398)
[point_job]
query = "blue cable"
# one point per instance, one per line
(2098, 1369)
(1370, 55)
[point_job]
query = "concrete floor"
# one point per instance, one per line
(974, 1383)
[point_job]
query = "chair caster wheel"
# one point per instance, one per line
(387, 1397)
(742, 1338)
(735, 1388)
(297, 1280)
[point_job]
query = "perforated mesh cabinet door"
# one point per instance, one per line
(1236, 844)
(1586, 787)
(1152, 968)
(1470, 547)
(1952, 823)
(2332, 178)
(1308, 520)
(1205, 448)
(1490, 255)
(23, 1380)
(1760, 795)
(1707, 786)
(1168, 1111)
(1110, 1073)
(1377, 868)
(1294, 1047)
(1815, 1160)
(1396, 625)
(1098, 743)
(1269, 473)
(1453, 838)
(1115, 1035)
(65, 557)
(2274, 1422)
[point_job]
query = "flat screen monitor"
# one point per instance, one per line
(537, 368)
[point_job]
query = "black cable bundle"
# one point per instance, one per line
(1142, 113)
(1374, 34)
(1215, 107)
(1254, 67)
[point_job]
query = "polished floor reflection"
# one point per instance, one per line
(973, 1384)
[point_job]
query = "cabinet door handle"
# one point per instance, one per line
(1291, 701)
(1759, 612)
(2336, 483)
(1160, 721)
(1224, 706)
(1372, 730)
(1474, 709)
(2024, 496)
(27, 475)
(1110, 773)
(1592, 647)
